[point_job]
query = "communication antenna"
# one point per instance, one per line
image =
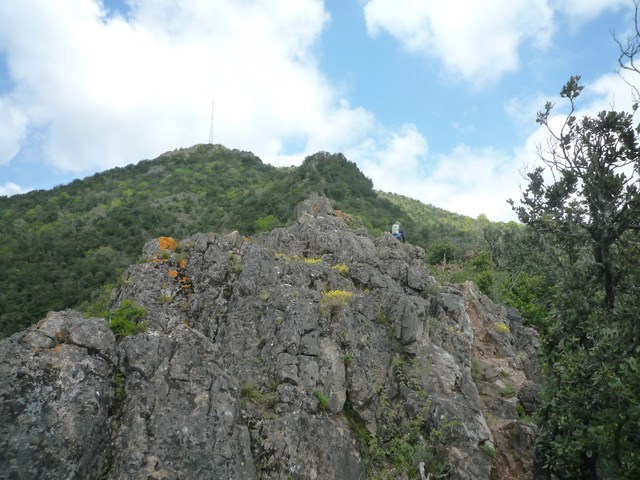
(211, 125)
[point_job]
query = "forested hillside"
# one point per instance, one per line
(59, 247)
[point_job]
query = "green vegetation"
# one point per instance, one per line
(62, 246)
(323, 400)
(310, 261)
(251, 394)
(584, 203)
(509, 391)
(476, 370)
(401, 442)
(235, 264)
(490, 450)
(127, 319)
(501, 327)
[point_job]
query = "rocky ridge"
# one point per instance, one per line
(311, 352)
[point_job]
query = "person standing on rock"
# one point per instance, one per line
(397, 231)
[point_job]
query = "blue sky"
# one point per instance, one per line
(434, 100)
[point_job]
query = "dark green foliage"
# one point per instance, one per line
(594, 197)
(587, 218)
(482, 261)
(530, 294)
(60, 247)
(267, 223)
(98, 304)
(485, 279)
(406, 440)
(127, 319)
(442, 253)
(591, 410)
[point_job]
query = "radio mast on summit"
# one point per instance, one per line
(211, 125)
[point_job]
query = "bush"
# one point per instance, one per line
(126, 319)
(335, 300)
(485, 281)
(442, 253)
(323, 400)
(482, 262)
(266, 223)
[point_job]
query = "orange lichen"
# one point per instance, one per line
(183, 263)
(344, 216)
(167, 243)
(173, 273)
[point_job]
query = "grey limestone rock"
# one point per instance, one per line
(56, 393)
(286, 355)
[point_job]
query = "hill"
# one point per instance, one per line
(59, 247)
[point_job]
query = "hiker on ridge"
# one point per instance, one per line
(397, 231)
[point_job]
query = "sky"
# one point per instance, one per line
(435, 100)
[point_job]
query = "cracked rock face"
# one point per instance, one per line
(55, 398)
(273, 357)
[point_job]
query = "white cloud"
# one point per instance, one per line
(11, 188)
(523, 110)
(391, 157)
(472, 181)
(109, 91)
(611, 92)
(478, 40)
(12, 132)
(580, 11)
(466, 180)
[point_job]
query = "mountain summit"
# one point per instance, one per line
(315, 351)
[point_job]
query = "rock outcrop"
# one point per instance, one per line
(311, 352)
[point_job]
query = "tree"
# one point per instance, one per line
(593, 197)
(629, 50)
(584, 203)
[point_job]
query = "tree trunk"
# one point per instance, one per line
(588, 469)
(602, 254)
